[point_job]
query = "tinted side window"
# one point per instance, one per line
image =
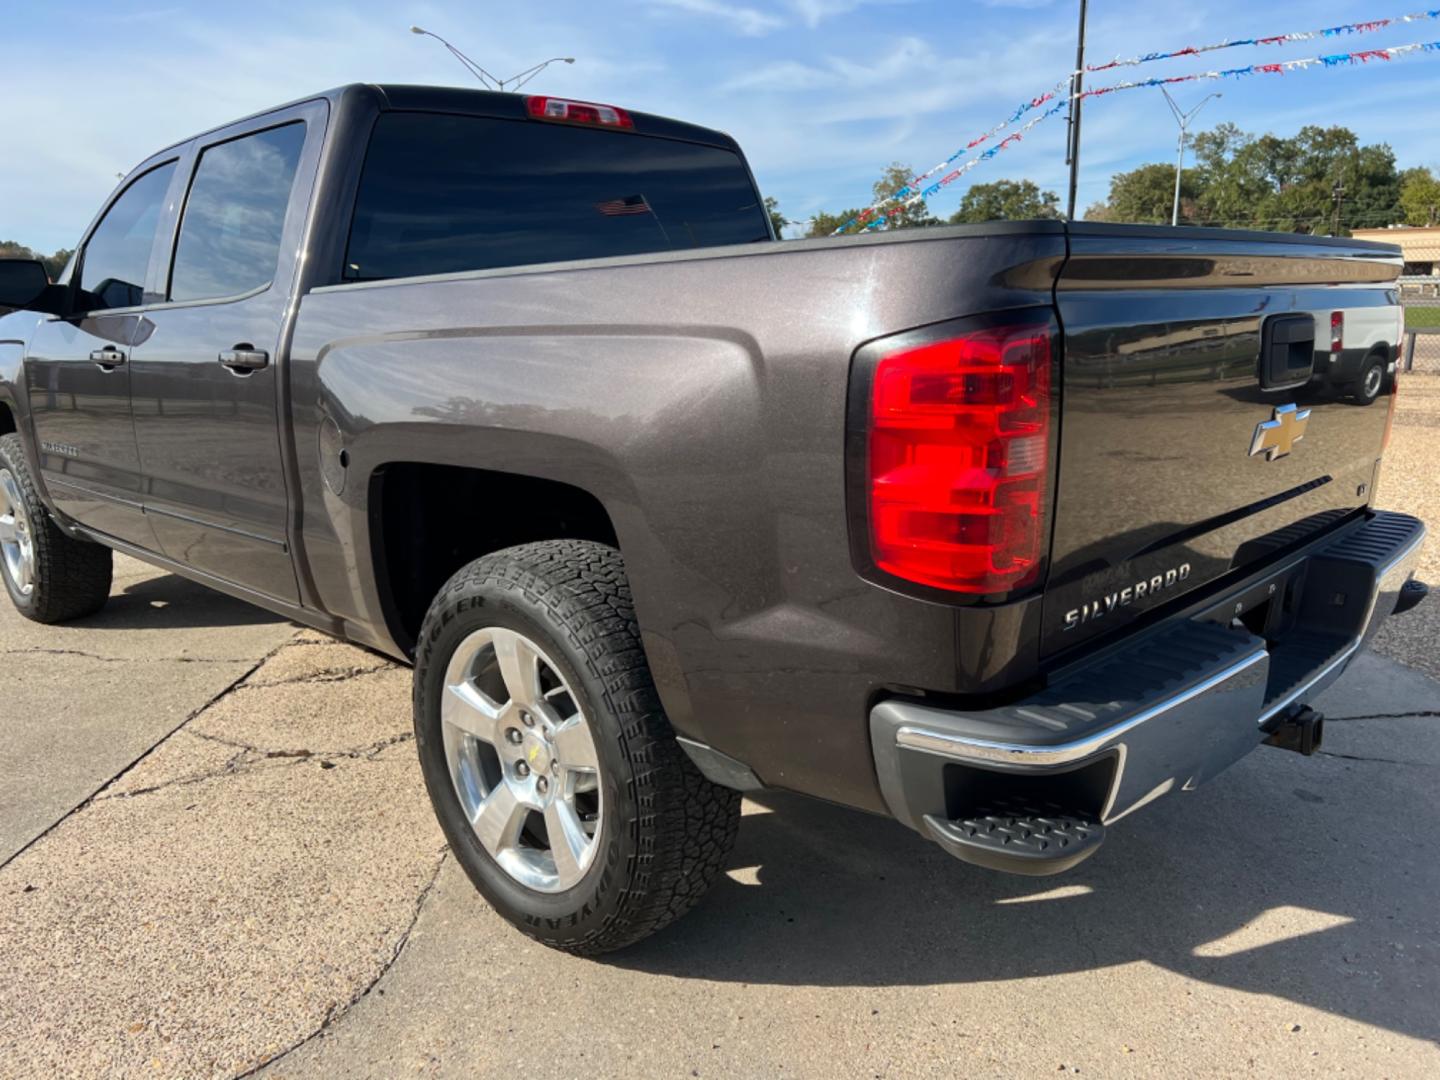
(447, 193)
(230, 232)
(118, 251)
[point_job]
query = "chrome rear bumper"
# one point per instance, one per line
(1166, 712)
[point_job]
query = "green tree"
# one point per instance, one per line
(56, 263)
(1420, 197)
(1292, 184)
(1006, 200)
(824, 224)
(893, 179)
(917, 215)
(777, 220)
(10, 249)
(1144, 196)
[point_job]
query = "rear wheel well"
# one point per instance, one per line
(427, 521)
(7, 420)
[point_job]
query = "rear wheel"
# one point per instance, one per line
(1371, 380)
(50, 577)
(550, 764)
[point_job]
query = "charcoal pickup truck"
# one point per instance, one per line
(1005, 531)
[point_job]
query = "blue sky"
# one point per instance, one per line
(821, 93)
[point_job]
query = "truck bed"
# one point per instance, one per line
(702, 397)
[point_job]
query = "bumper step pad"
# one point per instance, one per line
(1019, 836)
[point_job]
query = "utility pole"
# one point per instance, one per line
(1337, 193)
(1072, 148)
(1183, 119)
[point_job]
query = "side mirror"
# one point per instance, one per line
(21, 281)
(25, 285)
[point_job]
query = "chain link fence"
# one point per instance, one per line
(1420, 293)
(1421, 352)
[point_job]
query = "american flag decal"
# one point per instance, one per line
(631, 204)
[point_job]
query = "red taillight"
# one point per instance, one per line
(1337, 331)
(578, 112)
(959, 458)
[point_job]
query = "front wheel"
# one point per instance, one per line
(551, 766)
(50, 576)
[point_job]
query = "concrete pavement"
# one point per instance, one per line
(1279, 921)
(81, 702)
(267, 885)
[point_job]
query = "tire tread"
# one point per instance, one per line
(73, 576)
(684, 826)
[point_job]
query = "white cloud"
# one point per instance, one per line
(907, 58)
(744, 20)
(813, 12)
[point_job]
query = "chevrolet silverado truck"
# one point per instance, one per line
(1005, 531)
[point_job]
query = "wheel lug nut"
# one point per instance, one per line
(521, 769)
(542, 785)
(527, 719)
(512, 735)
(555, 766)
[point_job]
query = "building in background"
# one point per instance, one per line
(1420, 248)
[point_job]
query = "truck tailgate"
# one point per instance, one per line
(1163, 392)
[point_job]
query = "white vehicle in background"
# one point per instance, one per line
(1363, 345)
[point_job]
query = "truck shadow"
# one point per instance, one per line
(170, 602)
(1255, 883)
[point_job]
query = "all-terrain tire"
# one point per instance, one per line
(665, 830)
(71, 578)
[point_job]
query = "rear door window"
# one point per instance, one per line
(117, 255)
(441, 193)
(229, 241)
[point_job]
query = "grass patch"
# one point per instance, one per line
(1420, 318)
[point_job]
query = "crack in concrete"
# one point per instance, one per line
(37, 650)
(369, 750)
(1422, 714)
(321, 677)
(251, 758)
(90, 799)
(233, 767)
(335, 1012)
(1376, 760)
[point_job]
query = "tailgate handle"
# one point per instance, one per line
(1287, 351)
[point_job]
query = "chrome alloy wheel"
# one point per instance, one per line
(17, 545)
(1374, 377)
(521, 756)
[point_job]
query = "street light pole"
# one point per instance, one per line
(1072, 146)
(486, 79)
(1183, 119)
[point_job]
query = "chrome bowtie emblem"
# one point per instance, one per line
(1278, 435)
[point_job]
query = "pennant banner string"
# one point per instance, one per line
(1367, 27)
(1280, 67)
(1365, 56)
(908, 192)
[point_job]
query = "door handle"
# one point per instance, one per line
(243, 359)
(109, 357)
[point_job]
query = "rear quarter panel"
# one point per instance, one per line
(701, 398)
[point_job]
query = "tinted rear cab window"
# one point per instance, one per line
(440, 194)
(235, 214)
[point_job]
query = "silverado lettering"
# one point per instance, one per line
(1128, 595)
